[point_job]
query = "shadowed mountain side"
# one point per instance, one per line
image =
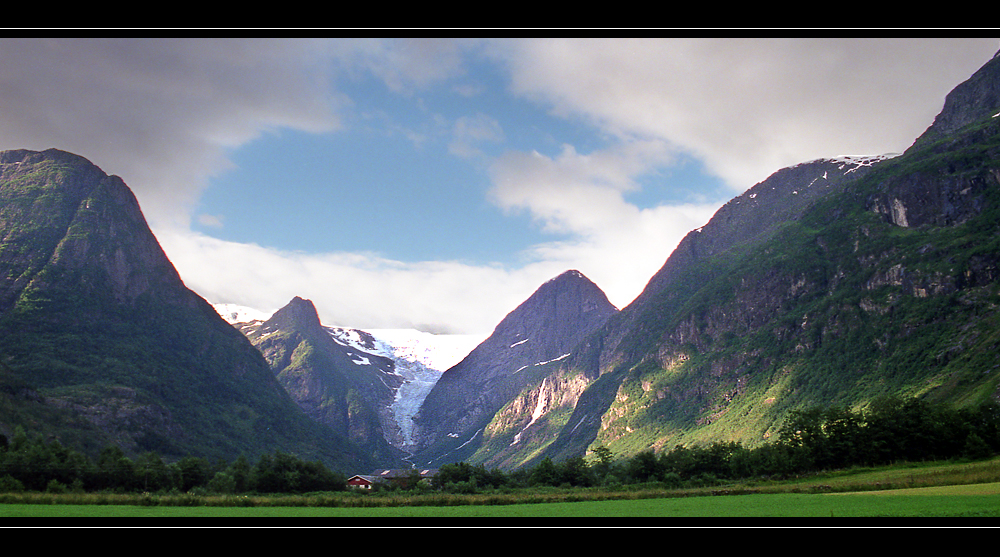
(95, 320)
(545, 327)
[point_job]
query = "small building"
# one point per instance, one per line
(361, 482)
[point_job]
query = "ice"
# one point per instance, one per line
(420, 360)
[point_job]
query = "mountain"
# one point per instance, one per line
(833, 282)
(519, 352)
(351, 390)
(101, 342)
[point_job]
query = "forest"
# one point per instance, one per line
(890, 430)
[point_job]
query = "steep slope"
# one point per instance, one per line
(101, 341)
(347, 389)
(542, 330)
(883, 285)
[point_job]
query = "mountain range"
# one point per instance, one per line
(833, 282)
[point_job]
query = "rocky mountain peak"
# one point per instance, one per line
(560, 311)
(541, 330)
(974, 100)
(67, 224)
(299, 313)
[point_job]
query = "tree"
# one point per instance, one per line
(115, 470)
(545, 473)
(644, 467)
(575, 472)
(195, 472)
(155, 474)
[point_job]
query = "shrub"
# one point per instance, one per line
(9, 484)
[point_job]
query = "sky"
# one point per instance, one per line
(436, 183)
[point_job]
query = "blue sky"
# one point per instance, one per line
(408, 177)
(436, 183)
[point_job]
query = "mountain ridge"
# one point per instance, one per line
(723, 343)
(882, 281)
(345, 389)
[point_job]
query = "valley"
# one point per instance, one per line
(842, 283)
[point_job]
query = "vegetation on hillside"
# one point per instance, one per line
(813, 440)
(839, 307)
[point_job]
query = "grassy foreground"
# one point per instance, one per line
(913, 490)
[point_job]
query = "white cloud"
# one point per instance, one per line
(576, 193)
(161, 113)
(615, 243)
(747, 107)
(165, 114)
(354, 289)
(211, 221)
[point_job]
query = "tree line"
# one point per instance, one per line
(890, 429)
(37, 465)
(813, 439)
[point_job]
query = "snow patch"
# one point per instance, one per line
(563, 357)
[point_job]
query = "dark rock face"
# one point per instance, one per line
(748, 220)
(62, 215)
(545, 327)
(974, 100)
(334, 384)
(96, 320)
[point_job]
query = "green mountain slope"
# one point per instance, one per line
(883, 285)
(101, 342)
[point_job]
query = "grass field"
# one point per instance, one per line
(967, 501)
(926, 490)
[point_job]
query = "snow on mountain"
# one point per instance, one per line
(420, 360)
(420, 357)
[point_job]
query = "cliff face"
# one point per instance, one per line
(975, 100)
(96, 322)
(544, 328)
(63, 219)
(337, 386)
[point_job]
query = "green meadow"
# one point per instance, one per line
(968, 501)
(937, 490)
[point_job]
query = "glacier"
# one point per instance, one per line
(420, 358)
